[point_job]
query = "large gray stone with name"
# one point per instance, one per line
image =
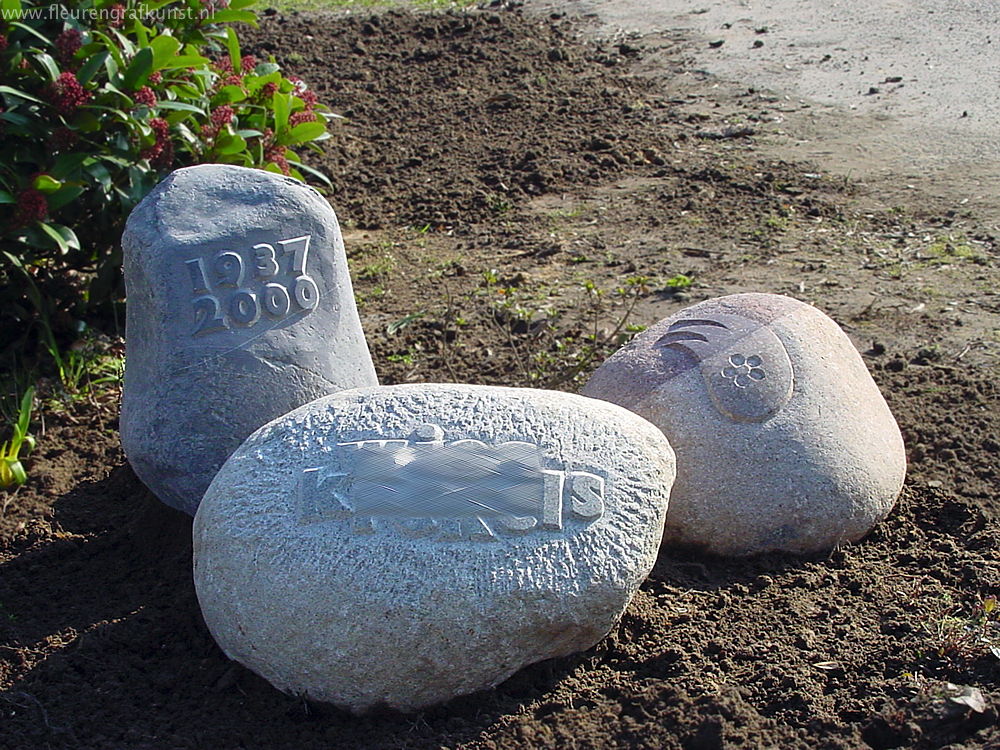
(240, 309)
(407, 544)
(783, 440)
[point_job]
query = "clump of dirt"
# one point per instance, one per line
(525, 281)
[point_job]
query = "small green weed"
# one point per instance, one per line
(958, 633)
(378, 269)
(950, 249)
(398, 325)
(679, 283)
(498, 203)
(406, 358)
(12, 471)
(552, 355)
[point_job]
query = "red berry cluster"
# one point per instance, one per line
(273, 152)
(276, 154)
(309, 98)
(145, 96)
(31, 207)
(268, 90)
(66, 93)
(156, 78)
(68, 43)
(221, 116)
(248, 63)
(116, 16)
(161, 153)
(3, 42)
(297, 118)
(211, 7)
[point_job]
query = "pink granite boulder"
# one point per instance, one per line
(783, 440)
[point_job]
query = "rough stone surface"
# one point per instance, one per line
(783, 440)
(240, 309)
(407, 544)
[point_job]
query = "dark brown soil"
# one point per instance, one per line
(515, 203)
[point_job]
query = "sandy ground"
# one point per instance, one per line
(901, 92)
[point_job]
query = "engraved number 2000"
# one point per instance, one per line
(223, 297)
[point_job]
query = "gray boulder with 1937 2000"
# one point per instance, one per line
(407, 544)
(783, 440)
(240, 309)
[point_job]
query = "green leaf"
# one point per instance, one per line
(67, 164)
(113, 68)
(235, 16)
(141, 35)
(33, 32)
(12, 472)
(49, 64)
(282, 108)
(64, 196)
(186, 61)
(56, 236)
(256, 82)
(230, 145)
(139, 69)
(15, 119)
(46, 183)
(183, 106)
(164, 48)
(117, 91)
(6, 197)
(228, 95)
(87, 122)
(128, 47)
(19, 94)
(11, 9)
(110, 45)
(91, 67)
(100, 173)
(266, 69)
(185, 132)
(396, 326)
(304, 131)
(314, 172)
(233, 45)
(240, 4)
(185, 90)
(24, 415)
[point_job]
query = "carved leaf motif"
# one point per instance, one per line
(745, 367)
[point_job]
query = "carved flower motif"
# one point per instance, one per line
(743, 370)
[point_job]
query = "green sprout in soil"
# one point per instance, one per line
(678, 283)
(498, 203)
(12, 471)
(960, 634)
(407, 358)
(952, 250)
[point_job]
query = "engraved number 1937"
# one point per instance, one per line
(232, 291)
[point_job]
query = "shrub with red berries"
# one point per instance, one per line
(67, 95)
(100, 105)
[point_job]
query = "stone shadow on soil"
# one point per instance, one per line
(106, 632)
(108, 643)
